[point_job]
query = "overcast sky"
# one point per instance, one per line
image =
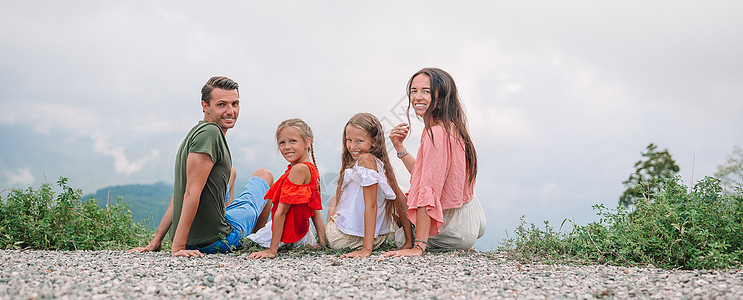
(561, 96)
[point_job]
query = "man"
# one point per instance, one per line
(200, 217)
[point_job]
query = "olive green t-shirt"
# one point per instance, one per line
(209, 224)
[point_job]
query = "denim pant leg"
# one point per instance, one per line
(243, 212)
(242, 215)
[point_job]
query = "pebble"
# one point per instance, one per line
(30, 274)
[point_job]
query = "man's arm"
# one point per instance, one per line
(198, 166)
(231, 184)
(157, 240)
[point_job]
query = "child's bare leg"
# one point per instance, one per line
(265, 174)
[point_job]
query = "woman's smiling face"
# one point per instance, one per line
(420, 94)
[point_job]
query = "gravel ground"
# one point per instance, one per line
(450, 275)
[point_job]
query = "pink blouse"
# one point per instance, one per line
(439, 180)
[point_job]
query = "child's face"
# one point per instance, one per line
(358, 141)
(420, 94)
(292, 145)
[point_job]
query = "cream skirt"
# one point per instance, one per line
(339, 240)
(462, 227)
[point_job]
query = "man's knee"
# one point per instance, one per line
(265, 174)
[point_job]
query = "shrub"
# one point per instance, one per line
(697, 228)
(37, 219)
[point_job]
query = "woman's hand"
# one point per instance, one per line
(398, 135)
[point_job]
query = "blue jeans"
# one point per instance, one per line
(242, 214)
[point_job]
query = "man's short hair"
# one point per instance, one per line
(219, 82)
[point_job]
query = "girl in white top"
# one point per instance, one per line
(367, 199)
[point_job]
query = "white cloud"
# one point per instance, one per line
(505, 195)
(121, 163)
(20, 176)
(247, 154)
(546, 193)
(153, 124)
(43, 117)
(514, 87)
(504, 123)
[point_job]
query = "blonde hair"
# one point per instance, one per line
(371, 125)
(304, 130)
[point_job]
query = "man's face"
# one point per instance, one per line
(223, 108)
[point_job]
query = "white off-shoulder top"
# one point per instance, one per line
(349, 211)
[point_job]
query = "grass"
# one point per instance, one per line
(46, 220)
(679, 227)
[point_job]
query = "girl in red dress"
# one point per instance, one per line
(295, 196)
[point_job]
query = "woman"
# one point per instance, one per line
(441, 201)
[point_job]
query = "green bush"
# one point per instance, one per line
(697, 228)
(37, 219)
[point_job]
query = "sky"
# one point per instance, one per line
(561, 96)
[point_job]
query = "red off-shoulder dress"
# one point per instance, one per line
(304, 199)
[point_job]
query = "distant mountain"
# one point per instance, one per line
(144, 200)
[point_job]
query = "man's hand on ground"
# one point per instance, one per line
(186, 253)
